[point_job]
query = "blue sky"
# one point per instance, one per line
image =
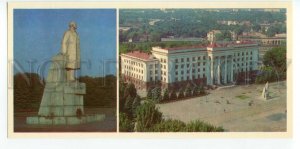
(38, 34)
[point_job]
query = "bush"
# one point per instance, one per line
(149, 94)
(199, 126)
(128, 105)
(267, 74)
(188, 92)
(125, 124)
(147, 115)
(165, 95)
(156, 94)
(135, 104)
(169, 126)
(130, 90)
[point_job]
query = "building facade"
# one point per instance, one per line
(215, 64)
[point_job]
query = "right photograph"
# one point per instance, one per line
(203, 70)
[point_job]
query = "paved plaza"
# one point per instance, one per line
(237, 108)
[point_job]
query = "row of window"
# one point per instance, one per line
(188, 65)
(133, 63)
(188, 59)
(188, 71)
(134, 69)
(128, 73)
(188, 77)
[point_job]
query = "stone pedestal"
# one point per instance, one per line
(62, 101)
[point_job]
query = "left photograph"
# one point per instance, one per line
(64, 70)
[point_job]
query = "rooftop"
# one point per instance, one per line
(140, 55)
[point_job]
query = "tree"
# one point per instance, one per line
(147, 115)
(199, 126)
(165, 95)
(149, 94)
(130, 90)
(136, 102)
(128, 105)
(125, 124)
(156, 94)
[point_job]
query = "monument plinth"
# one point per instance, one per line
(62, 101)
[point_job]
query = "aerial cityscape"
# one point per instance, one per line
(204, 70)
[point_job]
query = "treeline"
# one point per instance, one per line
(29, 87)
(147, 46)
(192, 22)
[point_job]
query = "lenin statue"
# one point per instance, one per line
(70, 47)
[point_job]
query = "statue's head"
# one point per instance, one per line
(73, 24)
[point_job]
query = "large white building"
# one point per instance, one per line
(214, 64)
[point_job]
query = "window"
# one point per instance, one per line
(182, 72)
(176, 72)
(193, 58)
(181, 78)
(193, 70)
(150, 78)
(188, 78)
(188, 71)
(182, 66)
(203, 75)
(187, 59)
(251, 52)
(182, 59)
(176, 60)
(164, 60)
(203, 69)
(176, 79)
(150, 72)
(204, 58)
(194, 64)
(164, 66)
(198, 63)
(187, 65)
(155, 71)
(203, 63)
(198, 69)
(199, 58)
(176, 66)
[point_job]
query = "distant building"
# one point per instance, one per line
(211, 36)
(181, 39)
(214, 64)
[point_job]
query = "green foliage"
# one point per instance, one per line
(188, 91)
(224, 35)
(189, 22)
(128, 105)
(156, 94)
(147, 46)
(165, 95)
(147, 115)
(169, 126)
(125, 124)
(149, 94)
(135, 104)
(130, 90)
(275, 66)
(199, 126)
(268, 74)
